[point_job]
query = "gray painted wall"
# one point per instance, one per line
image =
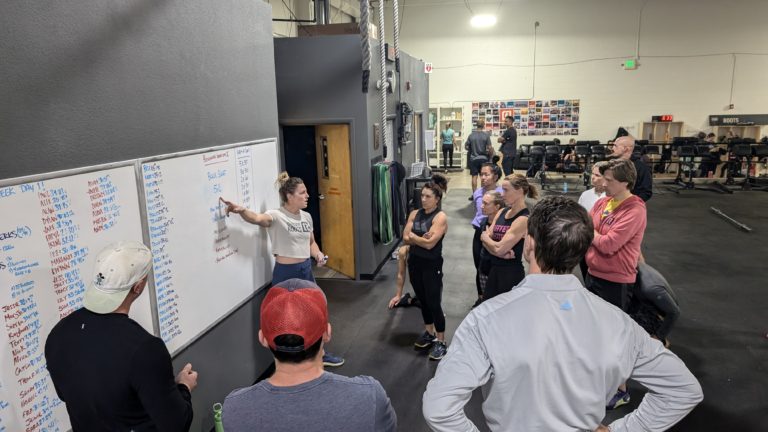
(319, 81)
(91, 82)
(412, 70)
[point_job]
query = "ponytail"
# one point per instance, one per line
(519, 181)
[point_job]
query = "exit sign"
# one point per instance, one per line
(630, 64)
(662, 118)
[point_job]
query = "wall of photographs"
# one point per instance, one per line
(554, 117)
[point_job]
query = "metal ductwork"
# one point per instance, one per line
(322, 12)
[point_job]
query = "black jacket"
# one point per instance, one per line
(644, 183)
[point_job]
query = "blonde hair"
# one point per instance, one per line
(519, 181)
(287, 185)
(498, 200)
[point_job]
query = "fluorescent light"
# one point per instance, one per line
(482, 21)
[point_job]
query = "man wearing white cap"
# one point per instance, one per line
(111, 373)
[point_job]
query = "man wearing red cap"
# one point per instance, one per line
(300, 395)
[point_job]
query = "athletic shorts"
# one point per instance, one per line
(475, 165)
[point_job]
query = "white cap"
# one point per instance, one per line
(118, 267)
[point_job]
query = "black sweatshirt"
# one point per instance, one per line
(644, 183)
(113, 375)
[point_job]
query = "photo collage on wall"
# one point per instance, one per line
(555, 117)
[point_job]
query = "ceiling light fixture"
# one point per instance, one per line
(483, 21)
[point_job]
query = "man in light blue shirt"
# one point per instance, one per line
(549, 354)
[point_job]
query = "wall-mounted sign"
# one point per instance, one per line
(662, 118)
(738, 120)
(427, 67)
(390, 52)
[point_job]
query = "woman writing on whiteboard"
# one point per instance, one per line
(290, 231)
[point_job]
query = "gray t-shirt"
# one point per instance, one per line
(329, 403)
(478, 143)
(290, 233)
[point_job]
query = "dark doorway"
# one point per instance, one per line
(300, 155)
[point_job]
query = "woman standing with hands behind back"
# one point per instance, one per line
(290, 231)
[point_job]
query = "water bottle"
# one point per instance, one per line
(565, 187)
(217, 423)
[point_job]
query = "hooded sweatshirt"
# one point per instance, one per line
(613, 255)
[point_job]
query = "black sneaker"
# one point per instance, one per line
(405, 300)
(439, 350)
(425, 340)
(471, 198)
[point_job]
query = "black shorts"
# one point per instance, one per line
(475, 165)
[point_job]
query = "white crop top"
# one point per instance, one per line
(290, 233)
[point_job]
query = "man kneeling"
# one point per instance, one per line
(550, 354)
(300, 396)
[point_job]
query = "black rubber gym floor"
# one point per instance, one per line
(716, 270)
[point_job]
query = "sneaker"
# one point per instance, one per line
(439, 350)
(425, 340)
(331, 360)
(405, 300)
(471, 198)
(620, 398)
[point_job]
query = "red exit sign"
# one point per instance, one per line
(662, 118)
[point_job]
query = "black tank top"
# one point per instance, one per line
(422, 223)
(501, 228)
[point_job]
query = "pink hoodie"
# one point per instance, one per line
(613, 255)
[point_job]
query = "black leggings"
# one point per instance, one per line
(616, 293)
(426, 277)
(447, 156)
(476, 246)
(502, 279)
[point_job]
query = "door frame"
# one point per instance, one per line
(354, 169)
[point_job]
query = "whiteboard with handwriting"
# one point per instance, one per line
(205, 264)
(50, 233)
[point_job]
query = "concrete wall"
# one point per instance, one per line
(91, 82)
(685, 69)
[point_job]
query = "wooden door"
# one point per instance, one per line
(334, 172)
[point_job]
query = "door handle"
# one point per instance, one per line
(321, 196)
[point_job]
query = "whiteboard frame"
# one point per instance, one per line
(65, 173)
(145, 230)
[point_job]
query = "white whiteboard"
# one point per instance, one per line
(206, 266)
(50, 233)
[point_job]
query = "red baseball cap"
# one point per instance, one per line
(294, 307)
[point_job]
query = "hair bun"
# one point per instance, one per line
(440, 181)
(283, 177)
